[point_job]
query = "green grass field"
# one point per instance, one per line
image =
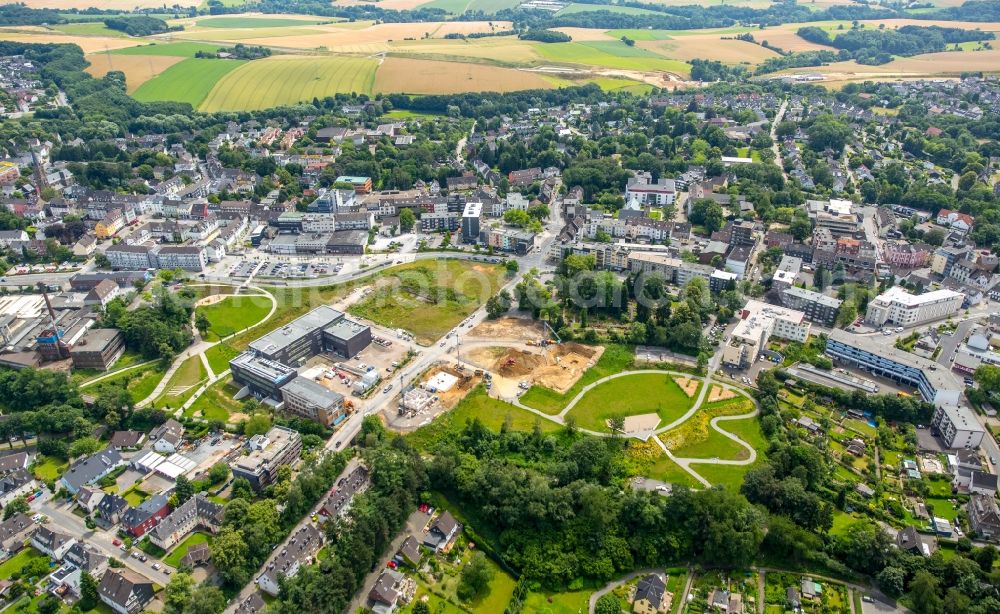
(174, 558)
(629, 396)
(15, 563)
(233, 314)
(612, 84)
(615, 359)
(216, 403)
(730, 476)
(429, 299)
(88, 29)
(491, 412)
(184, 50)
(183, 384)
(188, 81)
(254, 22)
(609, 54)
(572, 602)
(219, 356)
(283, 81)
(48, 468)
(457, 7)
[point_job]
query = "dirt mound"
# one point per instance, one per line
(509, 329)
(516, 363)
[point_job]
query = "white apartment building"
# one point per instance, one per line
(899, 307)
(758, 322)
(957, 427)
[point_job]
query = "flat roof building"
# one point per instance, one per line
(99, 348)
(305, 398)
(899, 307)
(958, 427)
(758, 322)
(817, 306)
(280, 446)
(263, 377)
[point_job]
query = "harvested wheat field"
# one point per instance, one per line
(404, 75)
(928, 64)
(505, 49)
(89, 44)
(137, 68)
(710, 47)
(337, 38)
(786, 38)
(585, 34)
(509, 329)
(393, 5)
(688, 385)
(987, 26)
(718, 393)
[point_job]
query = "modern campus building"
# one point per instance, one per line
(262, 377)
(899, 307)
(758, 322)
(305, 398)
(323, 329)
(280, 446)
(873, 354)
(957, 427)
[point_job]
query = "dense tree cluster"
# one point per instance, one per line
(139, 25)
(158, 330)
(878, 46)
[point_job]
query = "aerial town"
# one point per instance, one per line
(726, 346)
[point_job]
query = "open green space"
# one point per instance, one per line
(715, 445)
(612, 84)
(609, 54)
(234, 314)
(139, 382)
(571, 602)
(47, 468)
(188, 81)
(254, 22)
(615, 359)
(730, 476)
(630, 395)
(640, 35)
(219, 356)
(216, 403)
(15, 563)
(174, 557)
(184, 50)
(429, 299)
(407, 114)
(479, 405)
(184, 383)
(274, 82)
(88, 29)
(127, 360)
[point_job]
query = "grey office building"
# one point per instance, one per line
(818, 307)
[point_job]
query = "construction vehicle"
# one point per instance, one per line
(478, 371)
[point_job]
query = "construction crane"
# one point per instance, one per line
(50, 342)
(553, 331)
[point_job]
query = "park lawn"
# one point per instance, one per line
(615, 359)
(429, 299)
(189, 81)
(186, 50)
(183, 384)
(19, 560)
(216, 403)
(647, 459)
(715, 445)
(571, 602)
(730, 476)
(501, 588)
(631, 395)
(219, 356)
(174, 557)
(748, 430)
(491, 412)
(234, 314)
(842, 520)
(696, 436)
(407, 114)
(47, 469)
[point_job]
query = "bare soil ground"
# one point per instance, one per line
(718, 393)
(688, 385)
(466, 382)
(510, 329)
(642, 422)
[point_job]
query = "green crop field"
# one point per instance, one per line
(254, 22)
(457, 7)
(640, 35)
(624, 10)
(88, 29)
(609, 54)
(233, 314)
(184, 50)
(629, 396)
(283, 81)
(188, 81)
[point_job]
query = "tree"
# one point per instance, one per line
(183, 489)
(218, 473)
(708, 213)
(49, 605)
(892, 580)
(407, 220)
(924, 593)
(608, 604)
(177, 595)
(934, 237)
(512, 267)
(88, 592)
(202, 323)
(206, 600)
(102, 262)
(516, 217)
(420, 608)
(498, 304)
(231, 556)
(257, 424)
(84, 447)
(19, 505)
(476, 577)
(617, 424)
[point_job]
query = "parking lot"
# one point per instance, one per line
(341, 375)
(285, 268)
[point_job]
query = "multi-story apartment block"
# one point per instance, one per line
(899, 307)
(818, 307)
(958, 427)
(280, 446)
(758, 323)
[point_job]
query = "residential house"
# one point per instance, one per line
(908, 540)
(139, 520)
(650, 595)
(110, 509)
(984, 516)
(127, 440)
(254, 604)
(14, 484)
(13, 533)
(52, 543)
(87, 558)
(102, 294)
(410, 551)
(167, 437)
(386, 592)
(89, 498)
(195, 513)
(125, 591)
(298, 550)
(442, 530)
(89, 470)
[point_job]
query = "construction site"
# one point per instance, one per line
(515, 369)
